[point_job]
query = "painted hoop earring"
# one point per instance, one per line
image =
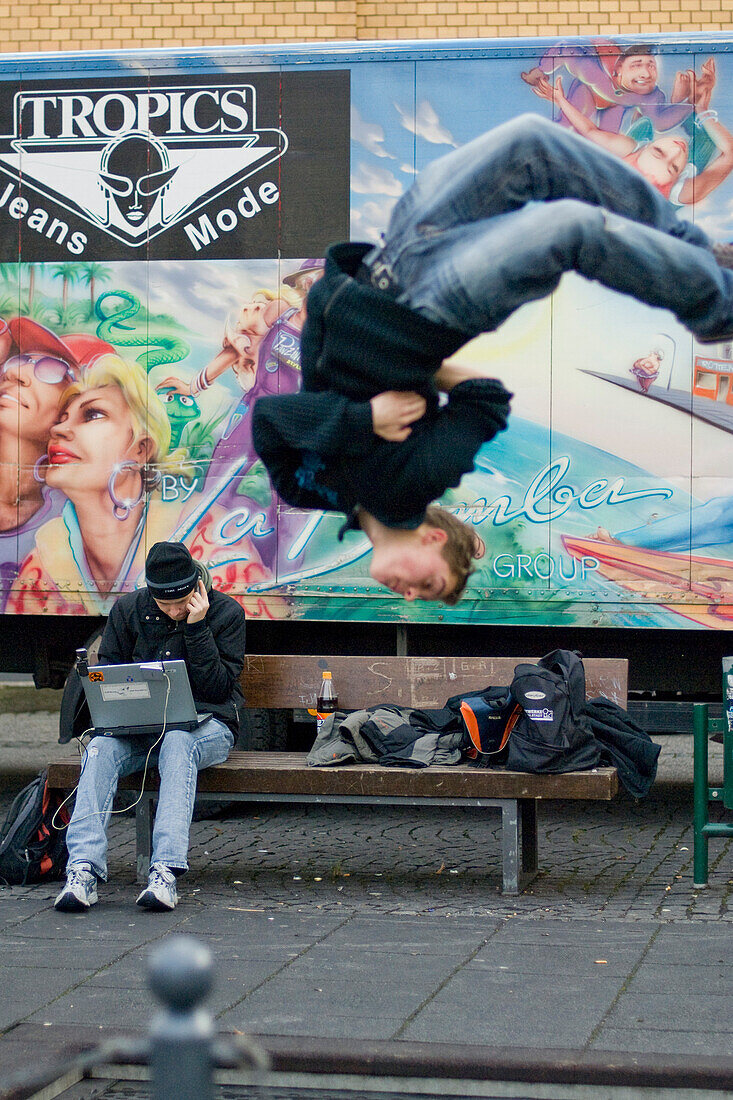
(42, 461)
(122, 508)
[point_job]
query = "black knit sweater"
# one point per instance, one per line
(319, 446)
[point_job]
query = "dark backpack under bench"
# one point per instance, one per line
(291, 682)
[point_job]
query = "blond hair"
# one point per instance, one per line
(147, 412)
(286, 293)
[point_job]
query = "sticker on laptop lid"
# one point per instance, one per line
(117, 692)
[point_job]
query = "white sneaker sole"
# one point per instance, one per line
(148, 900)
(68, 903)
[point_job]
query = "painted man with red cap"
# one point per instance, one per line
(36, 366)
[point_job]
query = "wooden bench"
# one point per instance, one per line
(425, 682)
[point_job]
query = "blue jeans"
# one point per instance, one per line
(496, 223)
(179, 758)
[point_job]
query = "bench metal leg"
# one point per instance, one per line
(528, 852)
(144, 835)
(519, 844)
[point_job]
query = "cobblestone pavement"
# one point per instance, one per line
(388, 923)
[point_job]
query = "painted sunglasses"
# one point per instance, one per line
(46, 368)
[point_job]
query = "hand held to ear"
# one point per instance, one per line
(198, 605)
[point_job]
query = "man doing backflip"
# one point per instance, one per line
(482, 230)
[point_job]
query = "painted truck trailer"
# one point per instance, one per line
(162, 218)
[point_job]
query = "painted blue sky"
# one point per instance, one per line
(405, 114)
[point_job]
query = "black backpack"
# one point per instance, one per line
(551, 733)
(74, 716)
(32, 849)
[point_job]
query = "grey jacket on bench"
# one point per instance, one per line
(389, 736)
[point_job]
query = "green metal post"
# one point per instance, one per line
(728, 733)
(700, 795)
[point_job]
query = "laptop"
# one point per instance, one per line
(130, 700)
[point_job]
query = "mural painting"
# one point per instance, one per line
(169, 232)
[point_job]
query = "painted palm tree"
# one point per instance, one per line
(30, 269)
(9, 275)
(69, 274)
(89, 274)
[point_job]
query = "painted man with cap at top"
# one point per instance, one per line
(36, 367)
(177, 616)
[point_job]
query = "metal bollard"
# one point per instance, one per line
(181, 973)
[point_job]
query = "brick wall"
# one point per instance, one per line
(131, 24)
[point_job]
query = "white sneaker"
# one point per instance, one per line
(80, 892)
(161, 893)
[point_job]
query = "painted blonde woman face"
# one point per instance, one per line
(94, 432)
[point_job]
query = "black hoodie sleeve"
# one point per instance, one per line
(444, 447)
(215, 650)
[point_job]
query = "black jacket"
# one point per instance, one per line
(624, 745)
(319, 446)
(213, 650)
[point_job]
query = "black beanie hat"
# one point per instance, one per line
(170, 571)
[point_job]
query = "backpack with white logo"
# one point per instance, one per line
(551, 733)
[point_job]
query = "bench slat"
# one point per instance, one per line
(287, 773)
(292, 681)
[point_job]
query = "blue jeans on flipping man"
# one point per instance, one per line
(496, 223)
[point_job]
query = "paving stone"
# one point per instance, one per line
(699, 949)
(542, 961)
(94, 1003)
(125, 924)
(233, 978)
(681, 978)
(594, 933)
(333, 998)
(295, 1022)
(675, 934)
(428, 935)
(409, 967)
(19, 951)
(19, 903)
(511, 1017)
(569, 993)
(38, 987)
(644, 1041)
(284, 927)
(695, 1010)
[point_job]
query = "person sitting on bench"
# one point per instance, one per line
(178, 616)
(483, 230)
